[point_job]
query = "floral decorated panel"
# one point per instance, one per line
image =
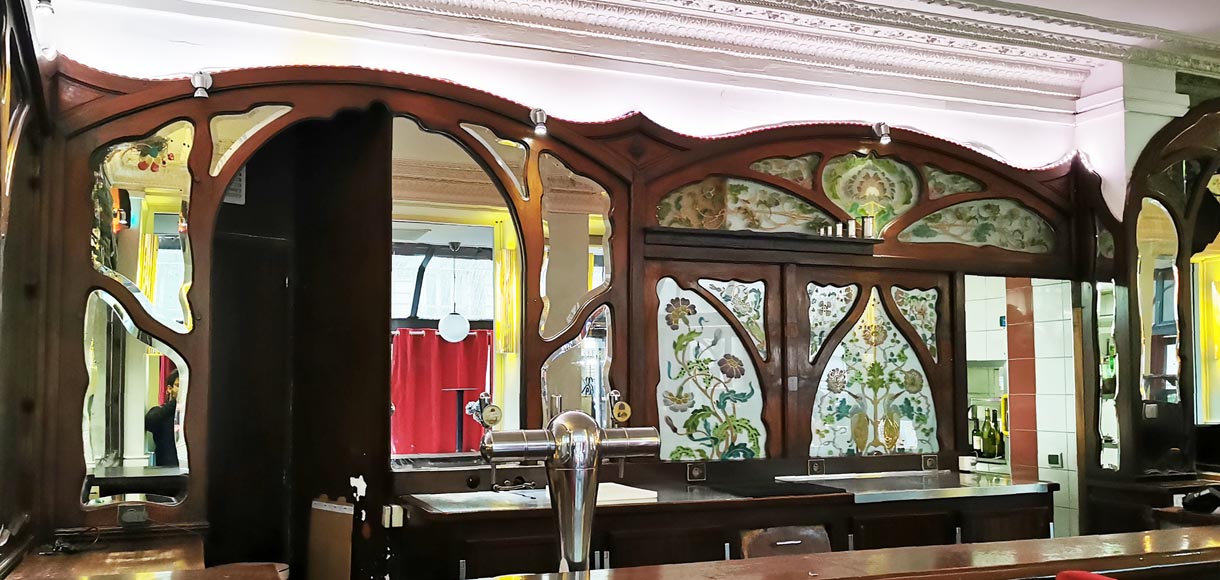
(1002, 223)
(942, 183)
(730, 203)
(919, 308)
(709, 396)
(882, 188)
(798, 170)
(747, 302)
(827, 306)
(874, 397)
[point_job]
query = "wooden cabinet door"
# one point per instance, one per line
(530, 554)
(644, 547)
(1003, 525)
(900, 530)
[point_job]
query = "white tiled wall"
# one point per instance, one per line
(1055, 368)
(986, 304)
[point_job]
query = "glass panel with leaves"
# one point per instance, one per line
(828, 305)
(799, 170)
(576, 260)
(867, 185)
(747, 301)
(709, 397)
(134, 410)
(141, 194)
(943, 183)
(1156, 237)
(919, 308)
(735, 204)
(1002, 223)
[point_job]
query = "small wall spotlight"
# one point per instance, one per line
(202, 81)
(538, 118)
(882, 131)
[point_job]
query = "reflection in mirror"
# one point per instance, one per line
(141, 193)
(509, 153)
(230, 132)
(455, 255)
(1107, 349)
(1206, 268)
(1156, 237)
(579, 372)
(1178, 180)
(576, 234)
(134, 409)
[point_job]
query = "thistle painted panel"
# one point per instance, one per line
(919, 308)
(730, 203)
(827, 306)
(942, 183)
(873, 398)
(1002, 223)
(708, 397)
(747, 302)
(798, 170)
(882, 188)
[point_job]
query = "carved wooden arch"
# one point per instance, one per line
(116, 109)
(1047, 192)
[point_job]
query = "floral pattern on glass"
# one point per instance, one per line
(735, 204)
(1002, 223)
(874, 397)
(919, 308)
(798, 170)
(870, 186)
(827, 306)
(747, 302)
(708, 398)
(943, 183)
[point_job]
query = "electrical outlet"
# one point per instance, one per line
(696, 472)
(134, 514)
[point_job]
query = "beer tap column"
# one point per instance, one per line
(572, 447)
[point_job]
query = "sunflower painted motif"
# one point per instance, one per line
(868, 185)
(874, 397)
(708, 397)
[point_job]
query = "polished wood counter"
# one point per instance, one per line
(177, 557)
(1185, 553)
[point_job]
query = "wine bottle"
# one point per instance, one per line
(988, 447)
(999, 435)
(976, 434)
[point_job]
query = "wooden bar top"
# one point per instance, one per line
(1198, 547)
(177, 557)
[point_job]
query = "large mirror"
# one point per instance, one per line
(1107, 349)
(1205, 266)
(577, 375)
(141, 193)
(455, 301)
(1157, 287)
(132, 425)
(576, 233)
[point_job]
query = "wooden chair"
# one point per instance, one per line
(784, 541)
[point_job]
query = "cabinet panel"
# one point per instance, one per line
(508, 555)
(666, 546)
(893, 531)
(1004, 525)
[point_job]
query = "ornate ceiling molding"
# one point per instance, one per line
(783, 35)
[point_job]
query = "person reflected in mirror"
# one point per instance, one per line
(160, 422)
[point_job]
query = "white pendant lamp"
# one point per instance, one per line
(454, 327)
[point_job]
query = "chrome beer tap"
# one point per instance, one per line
(572, 446)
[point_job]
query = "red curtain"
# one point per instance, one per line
(167, 367)
(424, 370)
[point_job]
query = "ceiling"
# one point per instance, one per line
(1195, 17)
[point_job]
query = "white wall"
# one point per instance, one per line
(1055, 369)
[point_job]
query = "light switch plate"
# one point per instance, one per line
(696, 472)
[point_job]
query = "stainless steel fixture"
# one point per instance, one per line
(572, 446)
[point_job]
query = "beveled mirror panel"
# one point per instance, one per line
(1156, 236)
(579, 371)
(134, 410)
(576, 235)
(141, 194)
(510, 154)
(455, 300)
(1107, 348)
(230, 132)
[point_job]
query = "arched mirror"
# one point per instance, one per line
(578, 373)
(141, 193)
(132, 425)
(230, 132)
(1157, 287)
(576, 233)
(455, 299)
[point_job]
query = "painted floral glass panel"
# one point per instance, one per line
(747, 302)
(942, 183)
(708, 397)
(919, 308)
(798, 170)
(827, 306)
(731, 203)
(867, 185)
(1002, 223)
(874, 397)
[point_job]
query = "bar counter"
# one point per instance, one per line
(1186, 553)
